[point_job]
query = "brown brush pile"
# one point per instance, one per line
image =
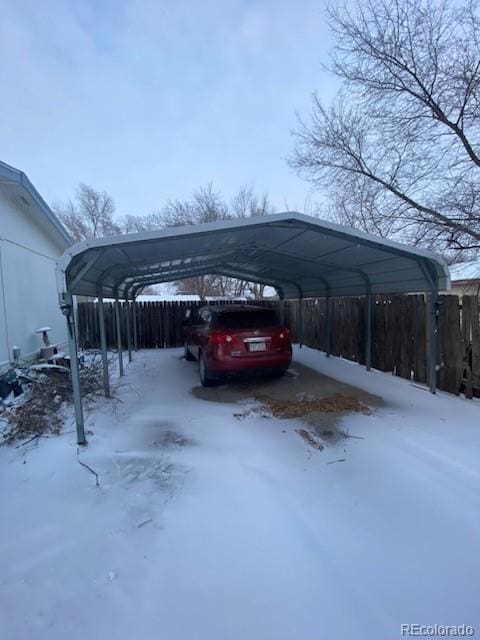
(37, 411)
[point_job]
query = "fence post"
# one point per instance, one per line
(129, 337)
(103, 344)
(433, 335)
(281, 306)
(327, 328)
(119, 335)
(300, 318)
(368, 331)
(135, 333)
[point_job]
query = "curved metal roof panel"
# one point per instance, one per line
(300, 255)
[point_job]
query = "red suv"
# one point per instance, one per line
(236, 339)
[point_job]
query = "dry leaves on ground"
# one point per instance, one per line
(286, 409)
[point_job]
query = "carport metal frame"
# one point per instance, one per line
(266, 250)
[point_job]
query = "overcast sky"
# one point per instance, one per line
(150, 100)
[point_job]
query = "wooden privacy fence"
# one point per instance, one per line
(399, 333)
(400, 343)
(159, 324)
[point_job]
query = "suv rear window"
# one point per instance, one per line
(247, 319)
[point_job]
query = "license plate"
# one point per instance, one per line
(257, 346)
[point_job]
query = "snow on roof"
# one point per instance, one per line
(147, 297)
(465, 271)
(166, 291)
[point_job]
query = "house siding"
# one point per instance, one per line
(466, 288)
(28, 293)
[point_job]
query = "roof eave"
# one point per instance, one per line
(15, 176)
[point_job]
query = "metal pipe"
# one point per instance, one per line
(103, 344)
(327, 328)
(129, 334)
(119, 336)
(67, 308)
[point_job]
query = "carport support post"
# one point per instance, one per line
(368, 331)
(129, 334)
(432, 336)
(119, 335)
(103, 344)
(327, 328)
(74, 370)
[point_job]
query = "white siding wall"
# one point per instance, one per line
(28, 293)
(471, 288)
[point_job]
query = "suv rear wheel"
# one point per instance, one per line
(205, 376)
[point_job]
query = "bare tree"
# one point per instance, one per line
(247, 204)
(399, 148)
(90, 215)
(136, 224)
(72, 220)
(208, 205)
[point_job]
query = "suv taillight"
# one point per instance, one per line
(218, 337)
(284, 333)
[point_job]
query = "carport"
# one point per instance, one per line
(300, 256)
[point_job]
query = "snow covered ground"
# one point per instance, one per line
(206, 526)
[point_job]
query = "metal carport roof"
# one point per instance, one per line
(299, 255)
